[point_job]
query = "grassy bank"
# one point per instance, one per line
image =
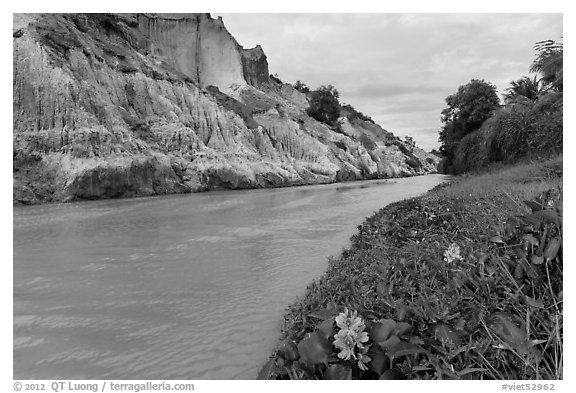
(464, 282)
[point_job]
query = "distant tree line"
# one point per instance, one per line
(477, 129)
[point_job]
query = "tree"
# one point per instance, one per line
(324, 105)
(467, 109)
(352, 114)
(301, 87)
(526, 87)
(549, 63)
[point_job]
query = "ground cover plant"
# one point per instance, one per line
(464, 282)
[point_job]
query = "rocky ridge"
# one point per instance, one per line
(122, 105)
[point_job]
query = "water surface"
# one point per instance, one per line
(177, 287)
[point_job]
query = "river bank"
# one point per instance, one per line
(464, 282)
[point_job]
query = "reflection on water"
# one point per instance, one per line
(177, 287)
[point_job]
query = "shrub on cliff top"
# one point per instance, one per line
(324, 105)
(301, 87)
(352, 114)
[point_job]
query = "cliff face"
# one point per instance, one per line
(130, 105)
(202, 49)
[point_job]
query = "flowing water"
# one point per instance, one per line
(176, 287)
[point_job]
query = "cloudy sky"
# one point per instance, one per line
(397, 68)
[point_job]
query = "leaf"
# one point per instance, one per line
(530, 239)
(532, 356)
(338, 371)
(390, 343)
(496, 239)
(469, 370)
(511, 224)
(536, 342)
(326, 327)
(382, 330)
(314, 349)
(330, 311)
(552, 248)
(504, 326)
(445, 334)
(266, 371)
(415, 340)
(403, 348)
(532, 219)
(534, 206)
(380, 362)
(519, 271)
(402, 328)
(549, 215)
(520, 252)
(288, 350)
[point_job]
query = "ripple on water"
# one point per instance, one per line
(180, 287)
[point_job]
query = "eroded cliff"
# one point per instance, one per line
(143, 104)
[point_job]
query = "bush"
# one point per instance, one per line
(521, 129)
(414, 163)
(301, 87)
(471, 153)
(526, 128)
(341, 145)
(352, 114)
(402, 148)
(324, 105)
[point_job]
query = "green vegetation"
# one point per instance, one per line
(462, 283)
(524, 87)
(301, 87)
(467, 110)
(549, 62)
(276, 79)
(352, 114)
(324, 105)
(477, 131)
(242, 110)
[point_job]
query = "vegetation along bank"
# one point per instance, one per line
(464, 282)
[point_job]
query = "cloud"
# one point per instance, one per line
(392, 89)
(397, 68)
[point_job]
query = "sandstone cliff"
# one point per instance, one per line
(143, 104)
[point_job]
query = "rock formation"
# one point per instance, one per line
(143, 104)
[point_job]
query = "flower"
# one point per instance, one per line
(349, 321)
(350, 337)
(452, 253)
(345, 343)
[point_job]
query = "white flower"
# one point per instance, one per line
(351, 336)
(349, 321)
(452, 253)
(345, 343)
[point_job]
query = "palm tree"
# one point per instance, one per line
(549, 63)
(526, 87)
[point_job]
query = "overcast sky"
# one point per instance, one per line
(397, 68)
